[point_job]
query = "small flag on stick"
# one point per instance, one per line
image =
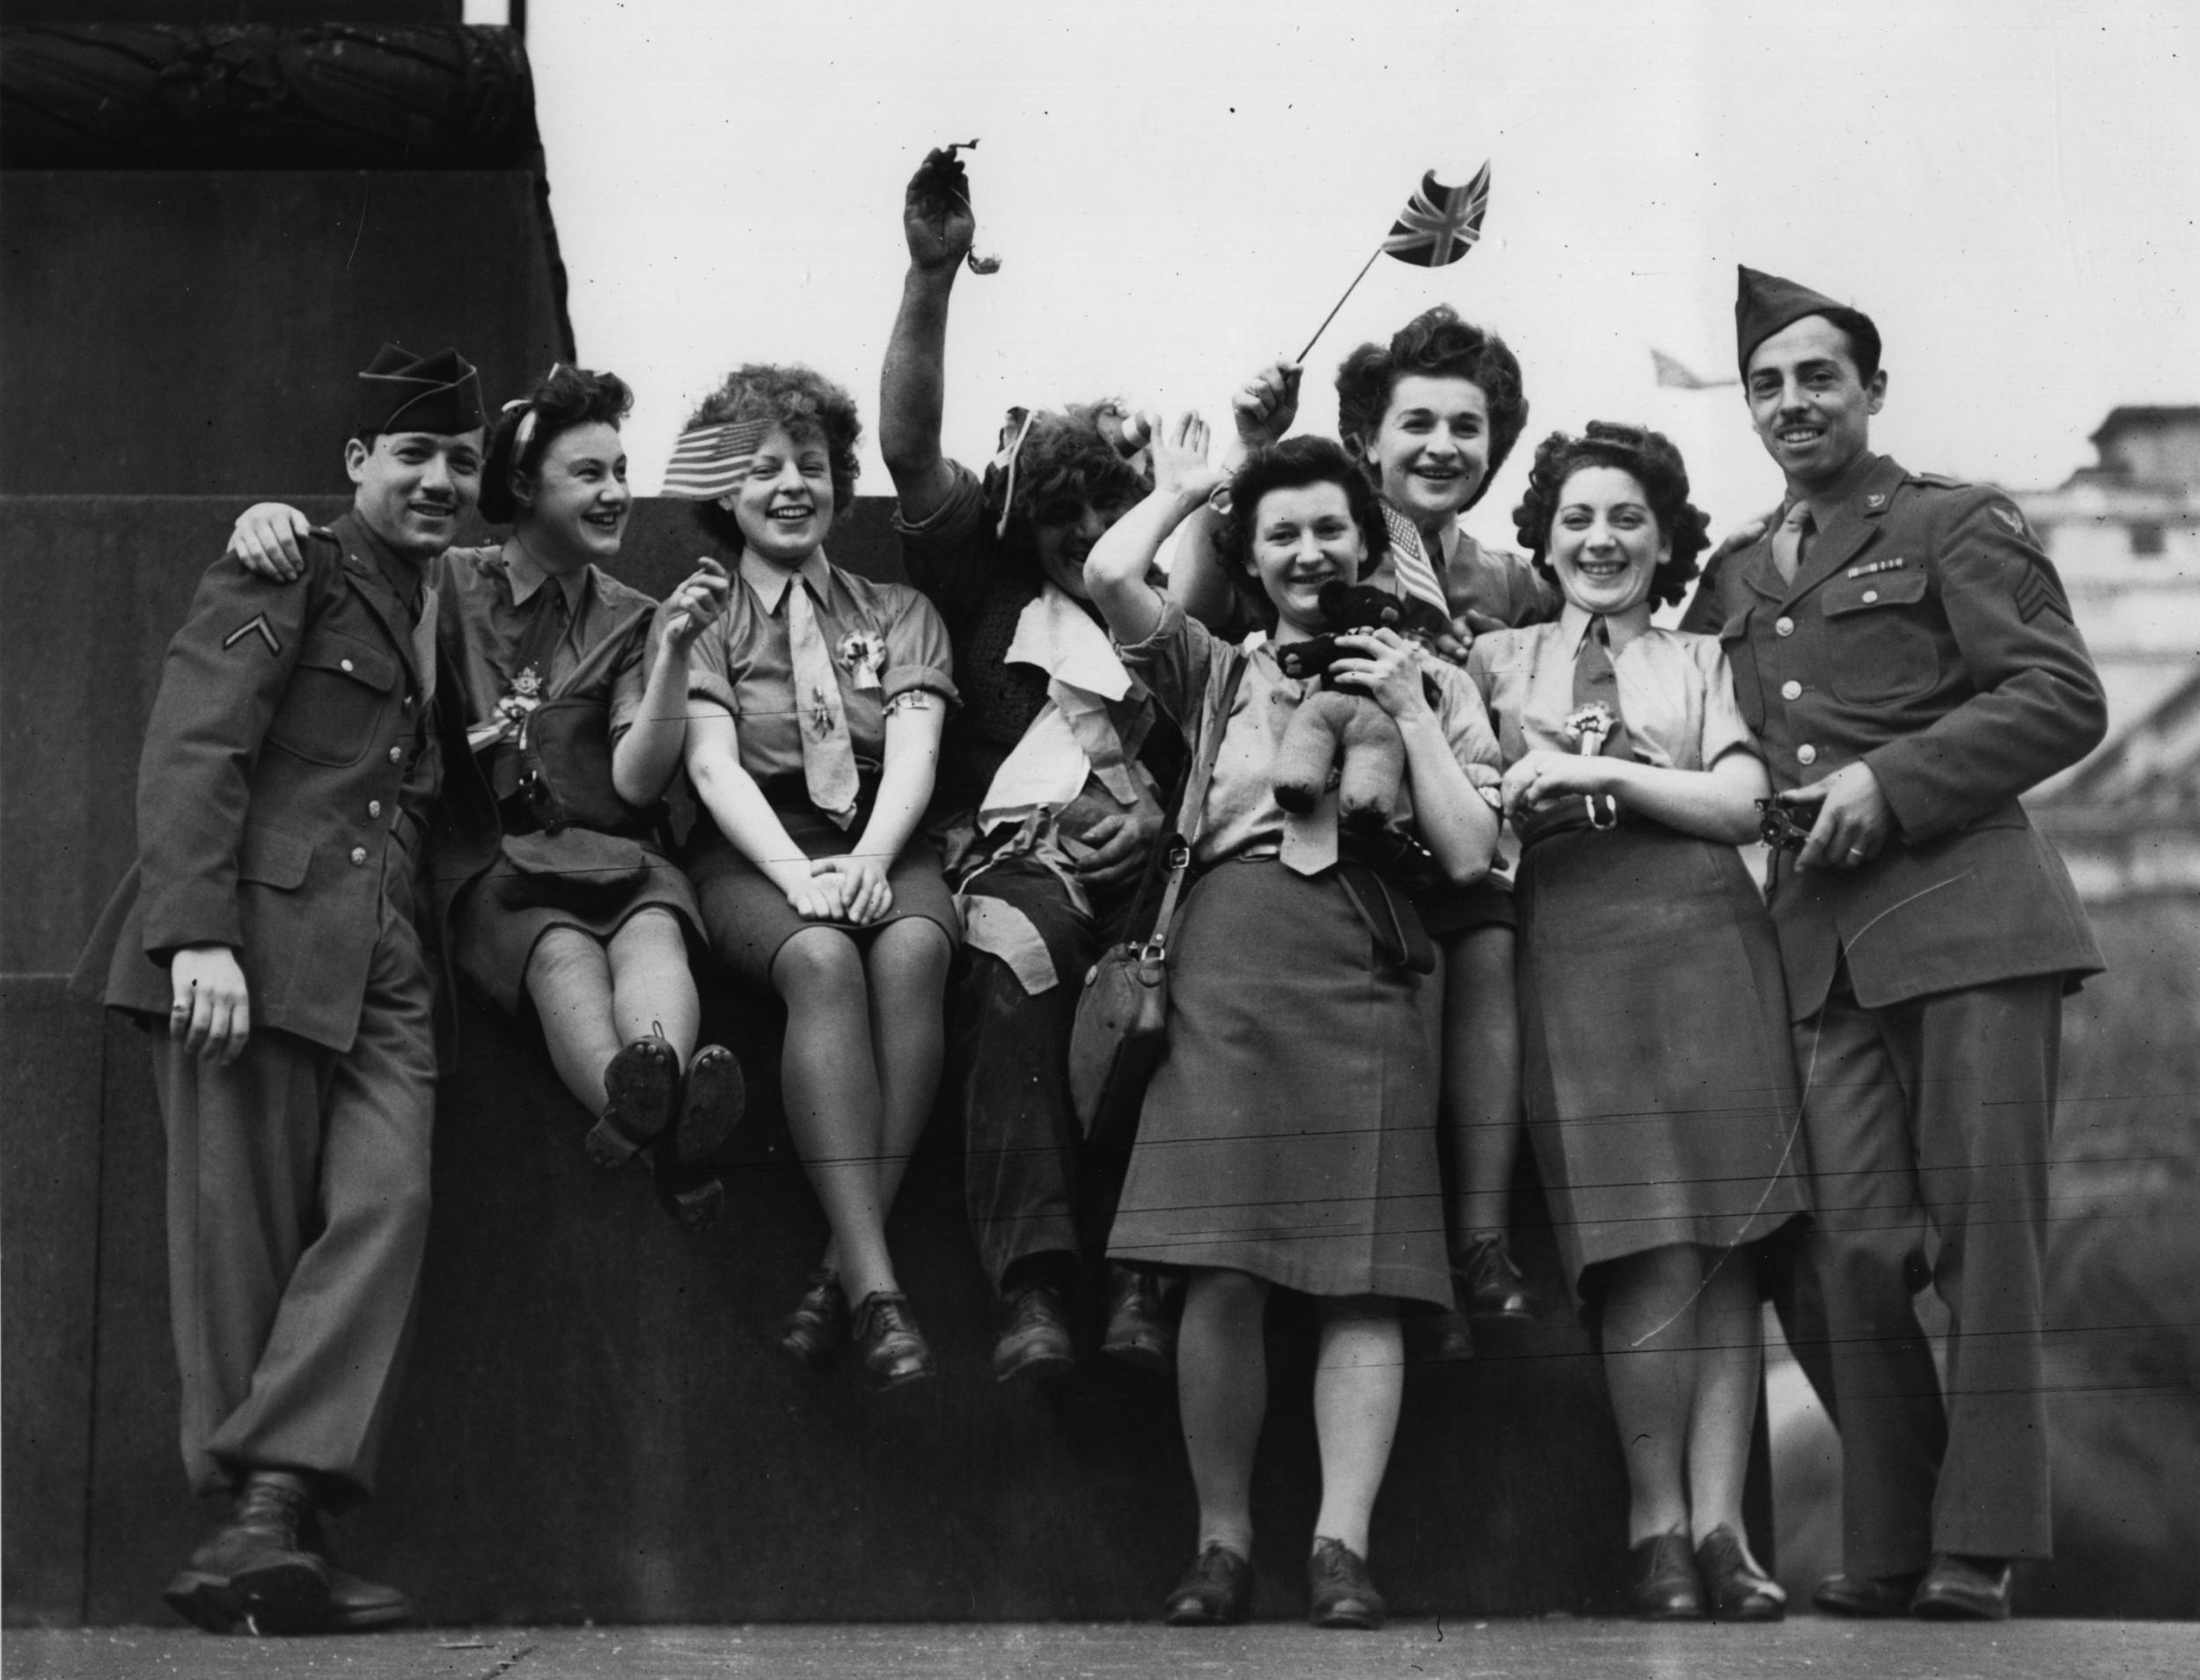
(1416, 575)
(1438, 225)
(1672, 373)
(708, 461)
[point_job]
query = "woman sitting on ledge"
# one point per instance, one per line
(575, 705)
(816, 708)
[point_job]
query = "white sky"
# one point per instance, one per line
(1179, 191)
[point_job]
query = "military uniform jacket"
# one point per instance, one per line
(1927, 634)
(286, 737)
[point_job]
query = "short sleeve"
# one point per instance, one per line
(630, 673)
(918, 656)
(951, 554)
(1466, 725)
(1724, 730)
(709, 662)
(1174, 662)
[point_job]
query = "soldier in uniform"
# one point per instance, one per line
(1905, 652)
(269, 925)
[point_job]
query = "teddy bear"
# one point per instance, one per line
(1334, 721)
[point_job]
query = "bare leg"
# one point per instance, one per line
(1481, 1079)
(1730, 1335)
(1650, 1338)
(1359, 1382)
(568, 977)
(651, 987)
(831, 1086)
(907, 967)
(1222, 1399)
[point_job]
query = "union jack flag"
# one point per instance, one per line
(708, 461)
(1416, 575)
(1440, 223)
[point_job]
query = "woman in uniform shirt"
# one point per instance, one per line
(813, 735)
(1660, 1082)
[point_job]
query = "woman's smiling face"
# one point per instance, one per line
(1431, 452)
(578, 504)
(1304, 536)
(785, 504)
(1605, 544)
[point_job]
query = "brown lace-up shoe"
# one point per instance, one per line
(254, 1571)
(1343, 1597)
(1034, 1339)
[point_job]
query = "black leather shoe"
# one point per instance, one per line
(819, 1325)
(713, 1098)
(1866, 1596)
(1216, 1589)
(354, 1605)
(1139, 1331)
(1735, 1590)
(1490, 1285)
(1661, 1582)
(892, 1348)
(641, 1086)
(1343, 1597)
(254, 1572)
(1963, 1589)
(1034, 1339)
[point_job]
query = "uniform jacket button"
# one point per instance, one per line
(397, 755)
(1791, 690)
(1783, 627)
(345, 664)
(374, 807)
(1870, 595)
(358, 854)
(1805, 754)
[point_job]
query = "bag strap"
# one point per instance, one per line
(1191, 811)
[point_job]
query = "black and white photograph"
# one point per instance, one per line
(1019, 838)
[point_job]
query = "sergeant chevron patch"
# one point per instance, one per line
(2041, 590)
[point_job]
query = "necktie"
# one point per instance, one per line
(424, 639)
(1788, 541)
(828, 756)
(1595, 684)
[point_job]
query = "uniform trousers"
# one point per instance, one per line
(1024, 1155)
(297, 1218)
(1935, 1111)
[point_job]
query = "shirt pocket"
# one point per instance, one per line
(333, 706)
(1742, 664)
(1880, 637)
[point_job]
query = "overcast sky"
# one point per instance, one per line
(1179, 191)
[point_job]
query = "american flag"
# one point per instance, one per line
(1415, 575)
(1671, 371)
(708, 461)
(1440, 223)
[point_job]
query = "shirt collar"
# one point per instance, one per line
(1837, 496)
(1574, 624)
(769, 582)
(404, 576)
(525, 576)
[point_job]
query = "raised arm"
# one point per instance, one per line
(1262, 412)
(642, 762)
(1117, 568)
(938, 222)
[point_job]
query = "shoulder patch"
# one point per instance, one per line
(2041, 590)
(256, 626)
(2009, 515)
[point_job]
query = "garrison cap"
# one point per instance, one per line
(1763, 304)
(405, 392)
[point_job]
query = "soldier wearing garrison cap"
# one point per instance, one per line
(1906, 655)
(267, 935)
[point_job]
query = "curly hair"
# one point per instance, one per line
(562, 398)
(1287, 465)
(1648, 458)
(1437, 345)
(793, 396)
(1068, 462)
